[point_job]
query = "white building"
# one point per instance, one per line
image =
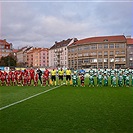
(58, 53)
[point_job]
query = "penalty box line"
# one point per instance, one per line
(7, 106)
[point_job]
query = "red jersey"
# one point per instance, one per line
(10, 73)
(8, 78)
(3, 77)
(25, 72)
(1, 74)
(32, 72)
(36, 77)
(82, 77)
(29, 78)
(5, 73)
(16, 73)
(46, 73)
(45, 77)
(13, 77)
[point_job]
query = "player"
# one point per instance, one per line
(36, 77)
(3, 78)
(75, 79)
(120, 80)
(8, 79)
(91, 81)
(25, 79)
(127, 80)
(46, 77)
(32, 73)
(82, 72)
(29, 79)
(113, 81)
(125, 73)
(120, 71)
(91, 72)
(105, 78)
(82, 80)
(99, 79)
(19, 79)
(132, 78)
(112, 74)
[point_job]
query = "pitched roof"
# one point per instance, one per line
(4, 42)
(101, 39)
(129, 40)
(61, 44)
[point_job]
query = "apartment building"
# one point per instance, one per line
(5, 48)
(22, 55)
(98, 52)
(44, 58)
(129, 55)
(58, 53)
(37, 57)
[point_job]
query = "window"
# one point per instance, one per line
(105, 46)
(111, 45)
(99, 60)
(105, 60)
(131, 59)
(94, 46)
(123, 59)
(93, 53)
(122, 52)
(80, 48)
(99, 53)
(111, 52)
(79, 55)
(120, 45)
(111, 59)
(100, 46)
(85, 54)
(86, 47)
(117, 52)
(105, 52)
(117, 59)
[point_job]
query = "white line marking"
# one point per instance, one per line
(7, 106)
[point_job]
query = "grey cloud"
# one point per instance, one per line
(41, 24)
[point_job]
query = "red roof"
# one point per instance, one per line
(15, 50)
(129, 40)
(119, 38)
(4, 42)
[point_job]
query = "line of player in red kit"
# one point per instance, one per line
(27, 77)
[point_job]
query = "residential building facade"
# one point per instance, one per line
(38, 57)
(58, 53)
(98, 52)
(129, 55)
(5, 48)
(22, 55)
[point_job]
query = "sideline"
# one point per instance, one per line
(7, 106)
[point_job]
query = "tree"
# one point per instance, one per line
(8, 61)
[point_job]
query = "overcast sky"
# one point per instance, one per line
(42, 23)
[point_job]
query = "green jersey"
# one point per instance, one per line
(112, 72)
(91, 72)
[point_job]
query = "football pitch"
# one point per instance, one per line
(66, 109)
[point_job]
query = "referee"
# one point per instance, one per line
(53, 76)
(61, 74)
(68, 76)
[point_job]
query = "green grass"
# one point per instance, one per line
(67, 109)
